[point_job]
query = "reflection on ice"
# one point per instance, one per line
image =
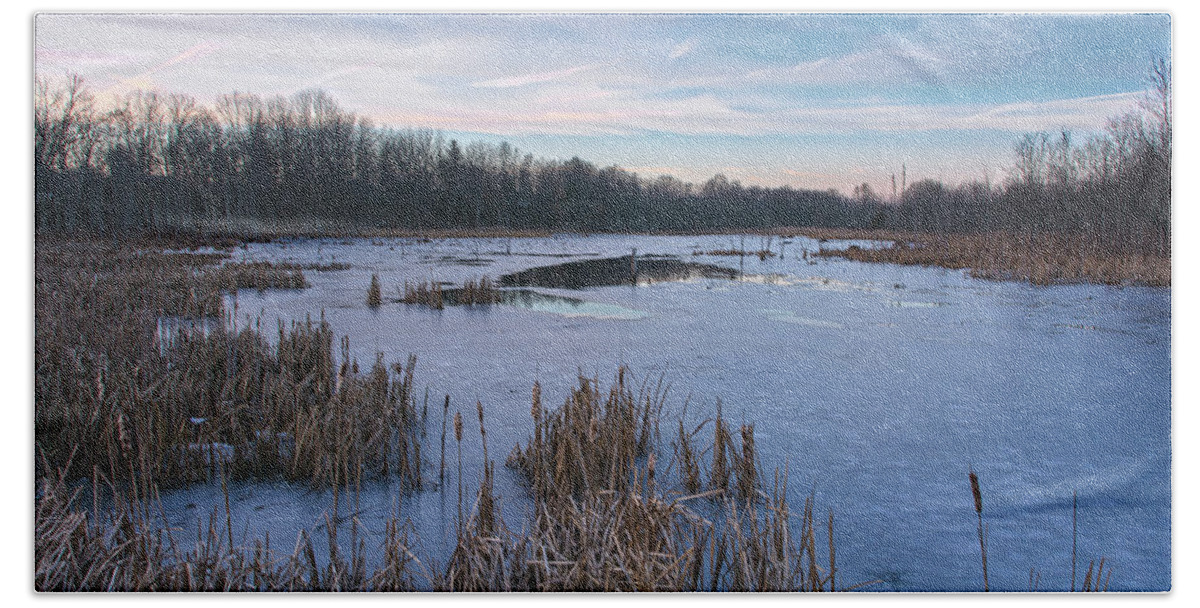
(911, 304)
(787, 316)
(567, 307)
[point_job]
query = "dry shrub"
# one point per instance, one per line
(1041, 259)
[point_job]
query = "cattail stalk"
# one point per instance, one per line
(979, 514)
(442, 466)
(458, 430)
(832, 567)
(1074, 533)
(374, 292)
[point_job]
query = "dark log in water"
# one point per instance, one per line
(614, 271)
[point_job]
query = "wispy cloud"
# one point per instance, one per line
(528, 79)
(883, 84)
(143, 79)
(683, 48)
(890, 60)
(199, 50)
(329, 77)
(708, 115)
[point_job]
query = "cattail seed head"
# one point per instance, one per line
(976, 493)
(536, 409)
(458, 426)
(479, 410)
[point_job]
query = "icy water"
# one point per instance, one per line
(878, 386)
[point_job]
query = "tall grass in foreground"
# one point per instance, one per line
(615, 507)
(607, 519)
(616, 527)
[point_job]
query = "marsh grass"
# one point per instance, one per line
(425, 294)
(110, 398)
(615, 508)
(257, 275)
(475, 293)
(761, 254)
(374, 292)
(432, 295)
(607, 519)
(1040, 259)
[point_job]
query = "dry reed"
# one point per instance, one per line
(374, 292)
(1040, 259)
(978, 496)
(424, 294)
(115, 407)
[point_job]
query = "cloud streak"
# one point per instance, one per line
(528, 79)
(682, 48)
(707, 115)
(761, 82)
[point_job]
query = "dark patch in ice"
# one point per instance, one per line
(623, 270)
(530, 254)
(566, 306)
(452, 260)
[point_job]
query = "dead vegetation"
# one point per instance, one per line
(1040, 259)
(432, 295)
(615, 507)
(115, 408)
(619, 525)
(425, 294)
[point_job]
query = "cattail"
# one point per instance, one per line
(976, 493)
(482, 429)
(1074, 533)
(442, 466)
(458, 438)
(979, 514)
(535, 410)
(746, 473)
(374, 292)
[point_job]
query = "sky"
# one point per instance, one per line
(809, 100)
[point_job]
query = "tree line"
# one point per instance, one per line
(166, 162)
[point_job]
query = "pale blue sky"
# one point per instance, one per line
(826, 100)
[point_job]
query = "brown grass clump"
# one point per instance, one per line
(1041, 259)
(474, 293)
(257, 275)
(331, 266)
(762, 254)
(592, 443)
(604, 523)
(115, 396)
(432, 295)
(374, 293)
(425, 294)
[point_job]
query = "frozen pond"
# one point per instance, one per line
(877, 385)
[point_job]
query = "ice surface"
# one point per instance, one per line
(878, 385)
